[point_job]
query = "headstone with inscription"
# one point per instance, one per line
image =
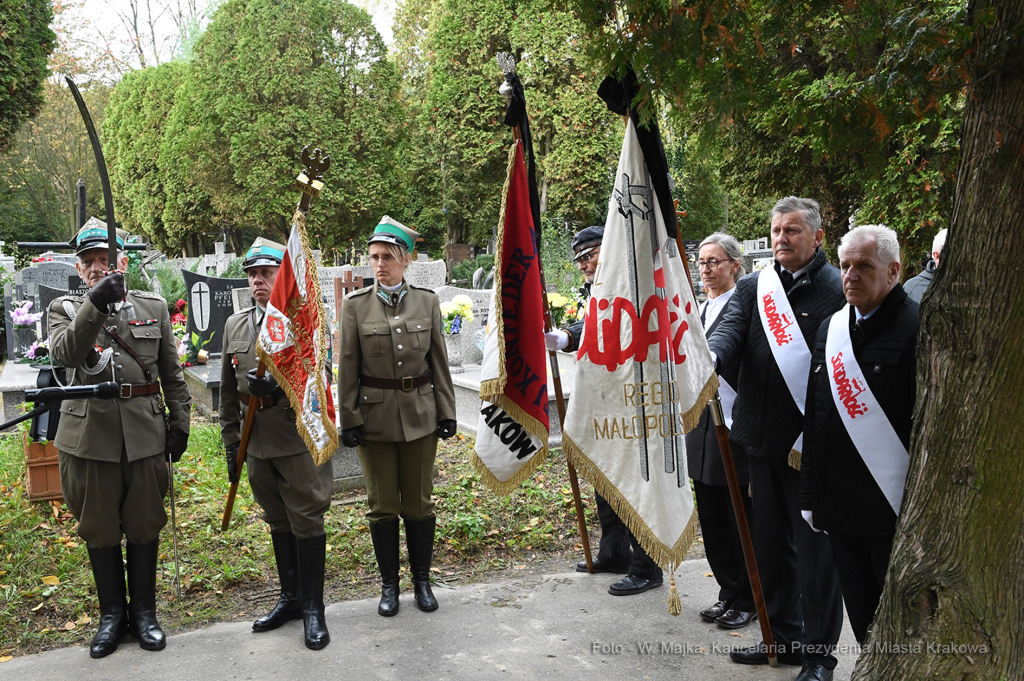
(241, 299)
(53, 274)
(472, 352)
(210, 303)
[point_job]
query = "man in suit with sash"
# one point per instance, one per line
(764, 338)
(860, 402)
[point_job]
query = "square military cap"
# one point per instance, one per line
(586, 241)
(264, 252)
(391, 231)
(93, 234)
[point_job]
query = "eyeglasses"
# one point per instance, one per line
(386, 258)
(711, 265)
(584, 259)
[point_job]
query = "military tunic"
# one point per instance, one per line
(293, 491)
(111, 452)
(400, 341)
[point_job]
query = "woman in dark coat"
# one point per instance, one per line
(720, 268)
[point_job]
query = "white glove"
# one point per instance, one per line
(809, 517)
(556, 340)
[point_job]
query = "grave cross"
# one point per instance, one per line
(341, 288)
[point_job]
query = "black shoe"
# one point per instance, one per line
(603, 566)
(735, 619)
(384, 534)
(312, 553)
(759, 655)
(142, 624)
(814, 671)
(419, 535)
(108, 572)
(714, 612)
(289, 605)
(631, 585)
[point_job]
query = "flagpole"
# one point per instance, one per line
(556, 380)
(254, 405)
(725, 448)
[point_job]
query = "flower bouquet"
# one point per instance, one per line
(456, 313)
(22, 318)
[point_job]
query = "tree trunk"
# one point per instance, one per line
(954, 589)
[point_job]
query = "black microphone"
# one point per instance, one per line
(103, 391)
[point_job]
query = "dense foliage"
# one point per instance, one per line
(26, 41)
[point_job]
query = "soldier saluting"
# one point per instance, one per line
(293, 491)
(113, 454)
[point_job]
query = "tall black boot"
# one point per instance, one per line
(108, 571)
(312, 553)
(419, 534)
(142, 622)
(289, 605)
(385, 546)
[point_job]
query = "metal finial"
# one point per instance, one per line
(506, 62)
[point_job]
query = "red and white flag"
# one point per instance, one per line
(512, 434)
(293, 343)
(644, 372)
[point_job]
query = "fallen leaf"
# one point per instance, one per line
(328, 548)
(709, 574)
(39, 606)
(69, 626)
(3, 572)
(733, 633)
(84, 619)
(6, 658)
(51, 580)
(518, 567)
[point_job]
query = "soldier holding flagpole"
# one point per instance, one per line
(764, 338)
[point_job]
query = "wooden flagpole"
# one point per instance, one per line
(725, 448)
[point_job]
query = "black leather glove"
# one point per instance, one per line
(447, 428)
(232, 457)
(352, 437)
(262, 387)
(107, 291)
(177, 443)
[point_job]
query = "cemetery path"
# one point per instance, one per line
(561, 625)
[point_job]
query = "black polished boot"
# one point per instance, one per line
(419, 534)
(142, 622)
(385, 546)
(312, 553)
(108, 571)
(289, 605)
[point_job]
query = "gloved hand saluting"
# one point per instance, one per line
(232, 458)
(352, 437)
(447, 428)
(107, 291)
(556, 340)
(262, 387)
(177, 443)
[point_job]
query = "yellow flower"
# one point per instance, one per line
(556, 299)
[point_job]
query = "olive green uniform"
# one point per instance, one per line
(399, 341)
(113, 468)
(293, 491)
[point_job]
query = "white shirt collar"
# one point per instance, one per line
(714, 307)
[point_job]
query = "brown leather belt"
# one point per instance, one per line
(405, 383)
(129, 390)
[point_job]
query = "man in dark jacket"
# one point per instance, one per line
(619, 551)
(916, 286)
(789, 302)
(854, 468)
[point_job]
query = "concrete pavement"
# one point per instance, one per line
(561, 625)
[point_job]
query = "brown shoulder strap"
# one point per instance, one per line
(112, 330)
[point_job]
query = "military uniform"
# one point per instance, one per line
(293, 491)
(398, 397)
(113, 453)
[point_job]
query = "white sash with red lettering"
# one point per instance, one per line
(789, 348)
(869, 428)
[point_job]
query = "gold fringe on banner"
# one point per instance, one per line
(493, 390)
(692, 417)
(668, 558)
(794, 459)
(320, 456)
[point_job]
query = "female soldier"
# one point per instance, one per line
(392, 348)
(720, 269)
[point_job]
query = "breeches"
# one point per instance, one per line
(113, 499)
(293, 491)
(399, 478)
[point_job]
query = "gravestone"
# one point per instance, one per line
(472, 351)
(210, 303)
(46, 296)
(692, 255)
(76, 287)
(432, 275)
(53, 274)
(342, 287)
(241, 299)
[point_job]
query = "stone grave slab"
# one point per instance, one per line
(53, 274)
(432, 274)
(210, 303)
(77, 287)
(46, 296)
(472, 344)
(241, 299)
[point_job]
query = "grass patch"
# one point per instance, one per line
(48, 600)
